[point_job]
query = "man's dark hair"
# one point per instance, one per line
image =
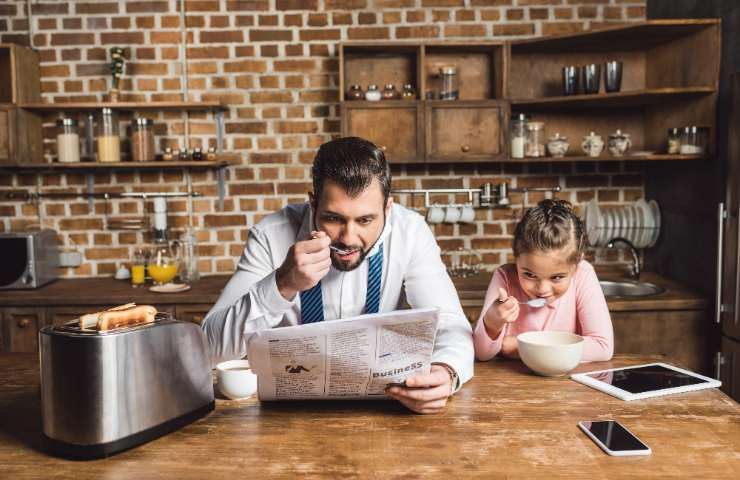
(352, 163)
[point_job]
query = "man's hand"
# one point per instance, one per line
(424, 393)
(502, 311)
(307, 262)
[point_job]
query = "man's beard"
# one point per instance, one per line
(346, 266)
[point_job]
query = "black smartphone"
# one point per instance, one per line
(613, 438)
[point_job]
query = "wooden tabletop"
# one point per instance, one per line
(505, 423)
(471, 290)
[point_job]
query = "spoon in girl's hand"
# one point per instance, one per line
(532, 302)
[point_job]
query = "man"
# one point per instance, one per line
(347, 251)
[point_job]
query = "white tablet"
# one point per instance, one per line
(645, 381)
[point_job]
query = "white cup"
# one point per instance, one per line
(435, 214)
(452, 214)
(467, 215)
(235, 379)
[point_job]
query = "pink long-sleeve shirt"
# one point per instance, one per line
(581, 309)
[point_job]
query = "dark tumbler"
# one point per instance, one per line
(613, 76)
(570, 80)
(591, 78)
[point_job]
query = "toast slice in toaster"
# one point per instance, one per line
(116, 317)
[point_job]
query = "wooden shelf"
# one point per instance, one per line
(223, 160)
(605, 157)
(638, 36)
(84, 106)
(618, 99)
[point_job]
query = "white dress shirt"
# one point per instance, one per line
(411, 264)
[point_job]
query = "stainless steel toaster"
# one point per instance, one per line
(103, 392)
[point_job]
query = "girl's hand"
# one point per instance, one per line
(510, 347)
(502, 311)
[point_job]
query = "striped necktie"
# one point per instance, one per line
(312, 304)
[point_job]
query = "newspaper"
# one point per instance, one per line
(353, 358)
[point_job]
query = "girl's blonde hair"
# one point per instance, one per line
(551, 225)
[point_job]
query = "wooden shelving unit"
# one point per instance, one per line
(635, 98)
(92, 106)
(670, 79)
(223, 160)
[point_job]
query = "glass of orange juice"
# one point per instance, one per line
(138, 271)
(163, 263)
(162, 273)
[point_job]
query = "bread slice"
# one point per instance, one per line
(129, 317)
(90, 320)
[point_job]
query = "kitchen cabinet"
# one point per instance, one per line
(662, 87)
(20, 328)
(381, 122)
(465, 131)
(192, 313)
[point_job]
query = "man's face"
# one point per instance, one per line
(352, 223)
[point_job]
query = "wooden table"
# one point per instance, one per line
(505, 423)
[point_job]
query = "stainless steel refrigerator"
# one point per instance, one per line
(727, 310)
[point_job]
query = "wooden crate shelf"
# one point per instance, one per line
(605, 157)
(617, 99)
(223, 160)
(86, 106)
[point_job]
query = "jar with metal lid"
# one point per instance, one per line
(674, 140)
(694, 140)
(535, 139)
(109, 143)
(142, 139)
(518, 136)
(355, 93)
(390, 92)
(408, 93)
(372, 94)
(68, 140)
(449, 89)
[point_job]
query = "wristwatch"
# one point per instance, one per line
(454, 379)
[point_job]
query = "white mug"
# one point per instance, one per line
(468, 214)
(235, 379)
(452, 214)
(435, 214)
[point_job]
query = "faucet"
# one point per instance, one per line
(635, 273)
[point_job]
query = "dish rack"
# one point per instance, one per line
(639, 223)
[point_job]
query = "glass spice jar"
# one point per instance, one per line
(355, 93)
(167, 155)
(450, 89)
(535, 139)
(68, 140)
(694, 140)
(674, 140)
(109, 143)
(390, 92)
(518, 136)
(372, 94)
(408, 93)
(142, 140)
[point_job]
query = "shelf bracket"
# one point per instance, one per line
(220, 130)
(90, 177)
(221, 187)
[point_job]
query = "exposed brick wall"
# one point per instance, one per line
(274, 62)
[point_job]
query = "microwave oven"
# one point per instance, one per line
(28, 259)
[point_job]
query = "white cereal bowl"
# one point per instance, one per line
(235, 379)
(550, 353)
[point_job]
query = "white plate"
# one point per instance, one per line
(170, 288)
(647, 222)
(629, 224)
(639, 223)
(656, 216)
(593, 222)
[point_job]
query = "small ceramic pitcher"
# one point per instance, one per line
(592, 145)
(619, 143)
(557, 146)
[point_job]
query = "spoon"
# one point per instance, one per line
(340, 251)
(532, 302)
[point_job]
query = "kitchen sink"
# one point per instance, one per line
(629, 288)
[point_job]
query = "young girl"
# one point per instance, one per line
(548, 248)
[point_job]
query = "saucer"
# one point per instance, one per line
(170, 288)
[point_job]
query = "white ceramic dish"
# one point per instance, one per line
(170, 288)
(550, 353)
(236, 380)
(593, 222)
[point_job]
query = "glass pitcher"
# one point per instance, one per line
(163, 261)
(188, 257)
